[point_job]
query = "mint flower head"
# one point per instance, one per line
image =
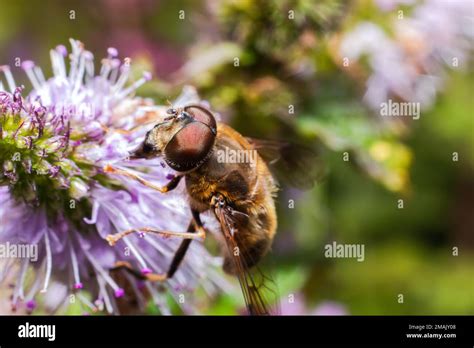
(56, 197)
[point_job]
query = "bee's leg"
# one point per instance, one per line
(199, 233)
(143, 276)
(183, 248)
(171, 185)
(114, 238)
(178, 256)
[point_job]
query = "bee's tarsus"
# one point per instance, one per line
(114, 238)
(111, 239)
(150, 276)
(109, 169)
(163, 189)
(155, 277)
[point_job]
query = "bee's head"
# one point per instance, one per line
(185, 138)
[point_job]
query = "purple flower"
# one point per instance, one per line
(295, 304)
(55, 196)
(411, 61)
(330, 308)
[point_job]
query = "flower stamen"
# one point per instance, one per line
(49, 262)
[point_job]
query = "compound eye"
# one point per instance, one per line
(189, 147)
(201, 114)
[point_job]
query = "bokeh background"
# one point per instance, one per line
(316, 73)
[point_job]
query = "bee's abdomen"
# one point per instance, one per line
(251, 254)
(254, 237)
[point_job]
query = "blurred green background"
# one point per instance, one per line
(315, 72)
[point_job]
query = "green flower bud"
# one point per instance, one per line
(78, 188)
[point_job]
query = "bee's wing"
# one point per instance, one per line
(189, 95)
(292, 164)
(256, 287)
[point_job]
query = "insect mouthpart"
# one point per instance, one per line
(144, 150)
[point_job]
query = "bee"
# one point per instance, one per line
(240, 193)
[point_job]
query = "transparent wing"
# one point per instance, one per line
(291, 164)
(259, 291)
(188, 95)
